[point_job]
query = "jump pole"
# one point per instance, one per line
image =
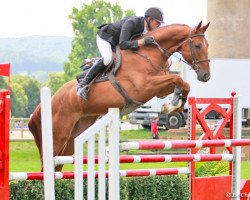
(85, 174)
(61, 160)
(236, 171)
(47, 144)
(178, 144)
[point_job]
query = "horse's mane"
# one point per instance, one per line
(174, 25)
(170, 26)
(162, 28)
(171, 29)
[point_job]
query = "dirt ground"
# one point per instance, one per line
(19, 135)
(25, 134)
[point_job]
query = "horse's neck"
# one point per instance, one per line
(169, 37)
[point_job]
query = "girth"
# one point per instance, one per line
(130, 104)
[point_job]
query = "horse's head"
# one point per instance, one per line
(195, 51)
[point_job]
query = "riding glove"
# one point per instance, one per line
(148, 40)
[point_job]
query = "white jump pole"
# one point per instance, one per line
(114, 154)
(47, 144)
(236, 171)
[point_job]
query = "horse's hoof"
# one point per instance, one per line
(170, 108)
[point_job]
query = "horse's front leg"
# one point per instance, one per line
(180, 88)
(178, 101)
(181, 95)
(165, 84)
(185, 92)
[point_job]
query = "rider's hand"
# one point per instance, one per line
(148, 40)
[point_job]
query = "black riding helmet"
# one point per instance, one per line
(155, 13)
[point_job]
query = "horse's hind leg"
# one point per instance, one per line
(80, 126)
(35, 128)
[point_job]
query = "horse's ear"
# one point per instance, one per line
(205, 27)
(198, 26)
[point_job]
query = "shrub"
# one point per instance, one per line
(151, 188)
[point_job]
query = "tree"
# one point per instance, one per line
(31, 88)
(3, 83)
(19, 100)
(55, 81)
(85, 23)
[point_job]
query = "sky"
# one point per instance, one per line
(20, 18)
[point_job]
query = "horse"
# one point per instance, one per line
(142, 75)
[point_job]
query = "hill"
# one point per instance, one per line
(35, 53)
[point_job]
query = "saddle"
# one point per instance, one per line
(111, 68)
(109, 75)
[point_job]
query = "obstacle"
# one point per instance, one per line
(222, 184)
(210, 139)
(214, 141)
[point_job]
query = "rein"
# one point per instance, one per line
(161, 68)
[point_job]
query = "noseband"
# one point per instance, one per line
(194, 63)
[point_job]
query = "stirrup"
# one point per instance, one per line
(83, 92)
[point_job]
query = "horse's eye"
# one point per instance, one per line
(197, 46)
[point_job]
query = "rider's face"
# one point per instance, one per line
(154, 24)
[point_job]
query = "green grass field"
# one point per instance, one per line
(24, 156)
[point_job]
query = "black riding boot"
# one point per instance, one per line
(83, 84)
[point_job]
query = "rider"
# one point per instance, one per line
(110, 35)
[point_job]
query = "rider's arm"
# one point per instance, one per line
(129, 28)
(126, 34)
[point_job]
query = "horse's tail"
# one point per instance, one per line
(36, 129)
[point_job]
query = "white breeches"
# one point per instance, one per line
(105, 49)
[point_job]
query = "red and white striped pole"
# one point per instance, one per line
(123, 173)
(182, 144)
(60, 160)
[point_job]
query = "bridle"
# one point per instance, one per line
(194, 63)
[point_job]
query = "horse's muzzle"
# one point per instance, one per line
(204, 77)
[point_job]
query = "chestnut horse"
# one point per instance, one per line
(142, 76)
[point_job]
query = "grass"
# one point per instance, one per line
(24, 157)
(245, 170)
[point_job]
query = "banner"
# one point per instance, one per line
(5, 70)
